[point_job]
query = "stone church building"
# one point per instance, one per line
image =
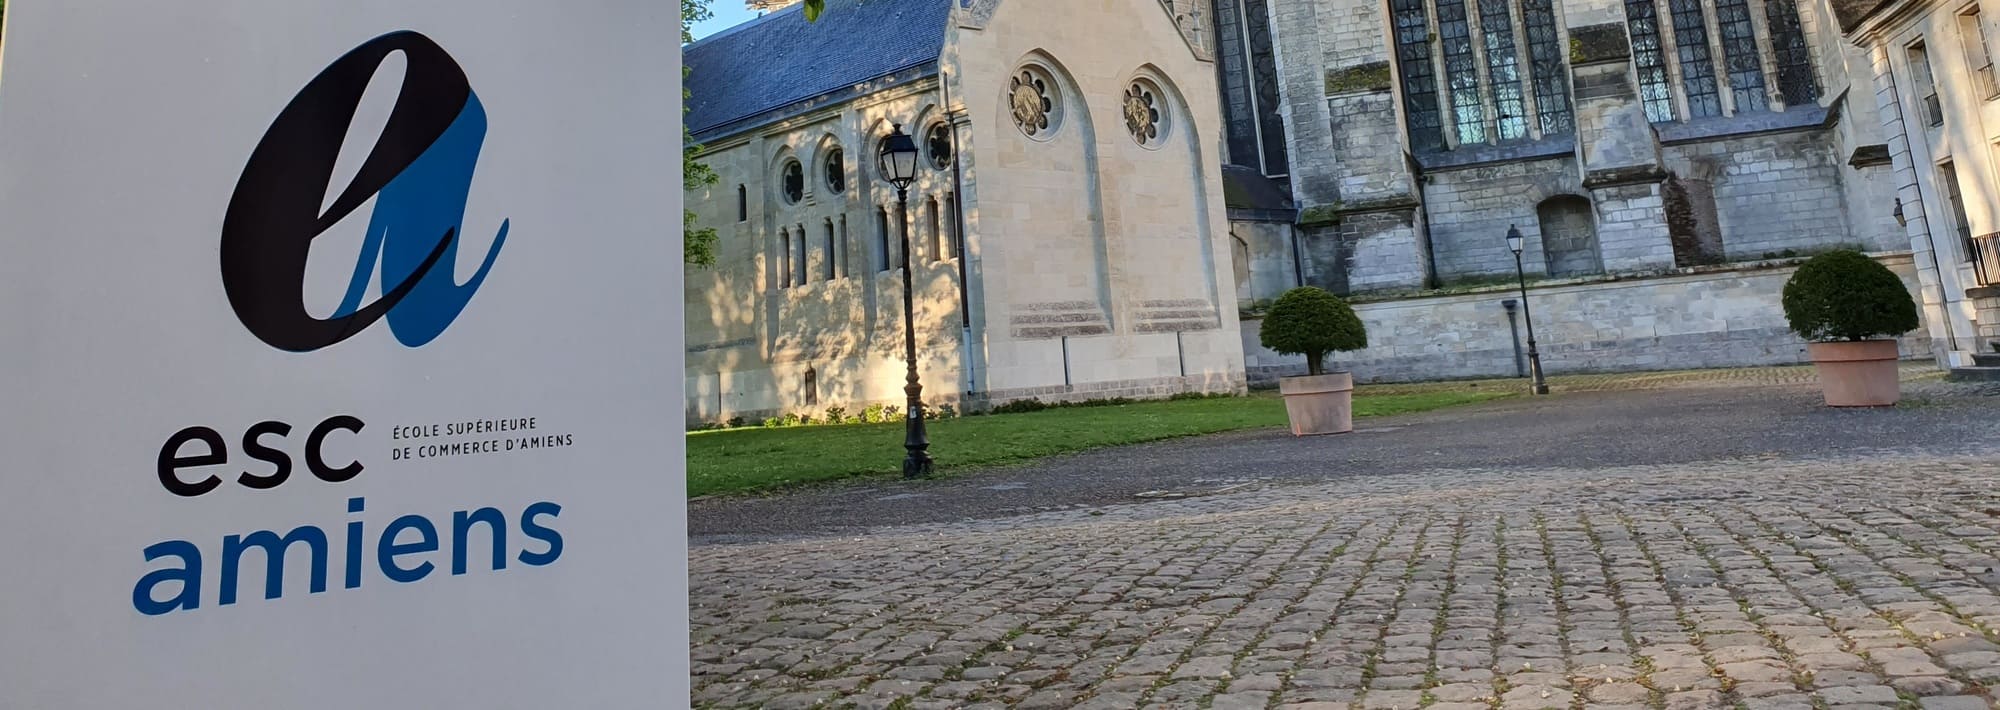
(1115, 189)
(1067, 230)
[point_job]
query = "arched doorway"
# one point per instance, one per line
(1569, 236)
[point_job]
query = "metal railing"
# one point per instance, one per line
(1985, 252)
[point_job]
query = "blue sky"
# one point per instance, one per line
(728, 13)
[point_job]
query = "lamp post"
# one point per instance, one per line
(898, 161)
(1514, 242)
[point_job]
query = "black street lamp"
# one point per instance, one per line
(898, 161)
(1514, 241)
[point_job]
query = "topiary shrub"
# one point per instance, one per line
(1844, 295)
(1311, 322)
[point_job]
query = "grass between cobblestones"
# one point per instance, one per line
(751, 460)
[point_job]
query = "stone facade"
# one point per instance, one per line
(1624, 139)
(1763, 151)
(1068, 233)
(1655, 154)
(1716, 316)
(1933, 87)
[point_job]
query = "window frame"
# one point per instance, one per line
(1923, 79)
(787, 170)
(834, 165)
(1484, 88)
(784, 258)
(1719, 58)
(831, 269)
(1973, 44)
(1950, 189)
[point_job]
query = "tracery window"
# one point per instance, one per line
(1545, 61)
(1469, 69)
(1697, 65)
(1503, 68)
(1707, 63)
(836, 171)
(1036, 102)
(1248, 69)
(1413, 55)
(1796, 83)
(937, 144)
(1642, 25)
(1145, 117)
(793, 181)
(1739, 55)
(1461, 74)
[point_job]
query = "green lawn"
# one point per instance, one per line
(745, 460)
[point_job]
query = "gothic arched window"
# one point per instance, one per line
(1708, 63)
(1248, 66)
(836, 171)
(792, 179)
(1473, 102)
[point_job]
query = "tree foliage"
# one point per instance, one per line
(698, 242)
(1844, 295)
(1312, 322)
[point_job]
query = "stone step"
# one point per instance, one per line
(1986, 359)
(1975, 374)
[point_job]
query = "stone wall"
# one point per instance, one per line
(1772, 192)
(1098, 256)
(753, 338)
(1470, 210)
(1261, 257)
(1727, 316)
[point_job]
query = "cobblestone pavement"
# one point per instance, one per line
(1871, 579)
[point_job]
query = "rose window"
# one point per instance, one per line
(1142, 114)
(1033, 103)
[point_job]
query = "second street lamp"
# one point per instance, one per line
(1515, 243)
(898, 161)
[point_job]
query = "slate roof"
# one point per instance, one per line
(1246, 188)
(764, 69)
(1851, 13)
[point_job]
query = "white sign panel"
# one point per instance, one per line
(340, 355)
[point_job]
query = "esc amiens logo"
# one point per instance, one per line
(419, 173)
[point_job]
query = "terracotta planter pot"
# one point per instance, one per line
(1857, 373)
(1319, 404)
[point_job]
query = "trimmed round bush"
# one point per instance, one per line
(1844, 295)
(1311, 322)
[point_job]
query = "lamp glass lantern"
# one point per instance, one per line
(898, 159)
(1515, 243)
